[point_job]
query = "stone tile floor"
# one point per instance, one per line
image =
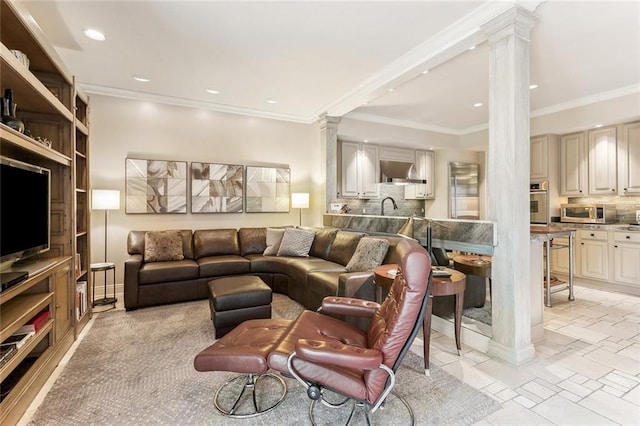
(586, 369)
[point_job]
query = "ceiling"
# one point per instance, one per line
(340, 58)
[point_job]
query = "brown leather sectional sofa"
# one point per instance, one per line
(215, 253)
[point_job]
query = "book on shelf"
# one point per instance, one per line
(19, 339)
(81, 298)
(36, 323)
(6, 352)
(78, 266)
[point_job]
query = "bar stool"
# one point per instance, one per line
(104, 267)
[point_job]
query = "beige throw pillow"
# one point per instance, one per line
(274, 238)
(296, 242)
(162, 246)
(369, 254)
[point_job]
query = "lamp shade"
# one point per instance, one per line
(300, 200)
(105, 199)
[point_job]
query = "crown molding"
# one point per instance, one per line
(189, 103)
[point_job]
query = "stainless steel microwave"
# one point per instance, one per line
(588, 213)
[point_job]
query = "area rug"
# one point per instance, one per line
(136, 368)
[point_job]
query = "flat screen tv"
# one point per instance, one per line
(24, 209)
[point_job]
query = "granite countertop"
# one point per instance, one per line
(622, 227)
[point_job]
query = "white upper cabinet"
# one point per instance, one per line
(603, 171)
(404, 155)
(425, 169)
(629, 156)
(539, 158)
(359, 170)
(573, 165)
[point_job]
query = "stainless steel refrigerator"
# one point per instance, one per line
(463, 191)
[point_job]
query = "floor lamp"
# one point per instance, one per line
(105, 199)
(300, 200)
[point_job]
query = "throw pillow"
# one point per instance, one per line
(274, 238)
(161, 246)
(296, 242)
(369, 254)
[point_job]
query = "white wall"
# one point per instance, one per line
(123, 128)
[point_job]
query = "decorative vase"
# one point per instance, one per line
(9, 112)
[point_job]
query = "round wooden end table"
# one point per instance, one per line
(453, 285)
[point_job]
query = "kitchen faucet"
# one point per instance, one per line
(395, 206)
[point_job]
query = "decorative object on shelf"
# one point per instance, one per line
(300, 200)
(267, 189)
(22, 57)
(156, 186)
(44, 141)
(216, 188)
(9, 112)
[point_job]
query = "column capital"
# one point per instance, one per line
(516, 21)
(329, 122)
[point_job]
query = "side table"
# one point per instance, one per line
(441, 286)
(104, 267)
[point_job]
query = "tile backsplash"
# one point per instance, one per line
(372, 206)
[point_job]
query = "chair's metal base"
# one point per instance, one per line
(251, 382)
(355, 404)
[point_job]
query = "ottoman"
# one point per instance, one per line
(245, 351)
(236, 299)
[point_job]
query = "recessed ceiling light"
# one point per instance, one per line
(271, 101)
(141, 78)
(213, 91)
(391, 90)
(425, 72)
(94, 34)
(533, 86)
(472, 47)
(598, 125)
(366, 140)
(477, 104)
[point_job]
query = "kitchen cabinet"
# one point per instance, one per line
(629, 160)
(425, 169)
(603, 152)
(360, 167)
(539, 158)
(594, 254)
(403, 155)
(560, 258)
(573, 165)
(626, 257)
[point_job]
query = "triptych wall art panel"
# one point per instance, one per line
(216, 188)
(267, 189)
(156, 186)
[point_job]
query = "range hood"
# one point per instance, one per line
(398, 173)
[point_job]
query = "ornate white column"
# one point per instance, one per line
(508, 183)
(329, 141)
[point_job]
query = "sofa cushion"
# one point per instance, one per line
(344, 245)
(212, 242)
(273, 240)
(135, 243)
(369, 253)
(173, 270)
(215, 266)
(252, 240)
(161, 246)
(322, 242)
(296, 242)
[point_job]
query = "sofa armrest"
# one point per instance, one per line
(349, 306)
(131, 268)
(356, 284)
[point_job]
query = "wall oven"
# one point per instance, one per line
(539, 202)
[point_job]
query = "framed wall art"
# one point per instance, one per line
(267, 189)
(216, 188)
(156, 186)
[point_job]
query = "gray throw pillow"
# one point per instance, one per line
(274, 238)
(369, 254)
(162, 246)
(296, 242)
